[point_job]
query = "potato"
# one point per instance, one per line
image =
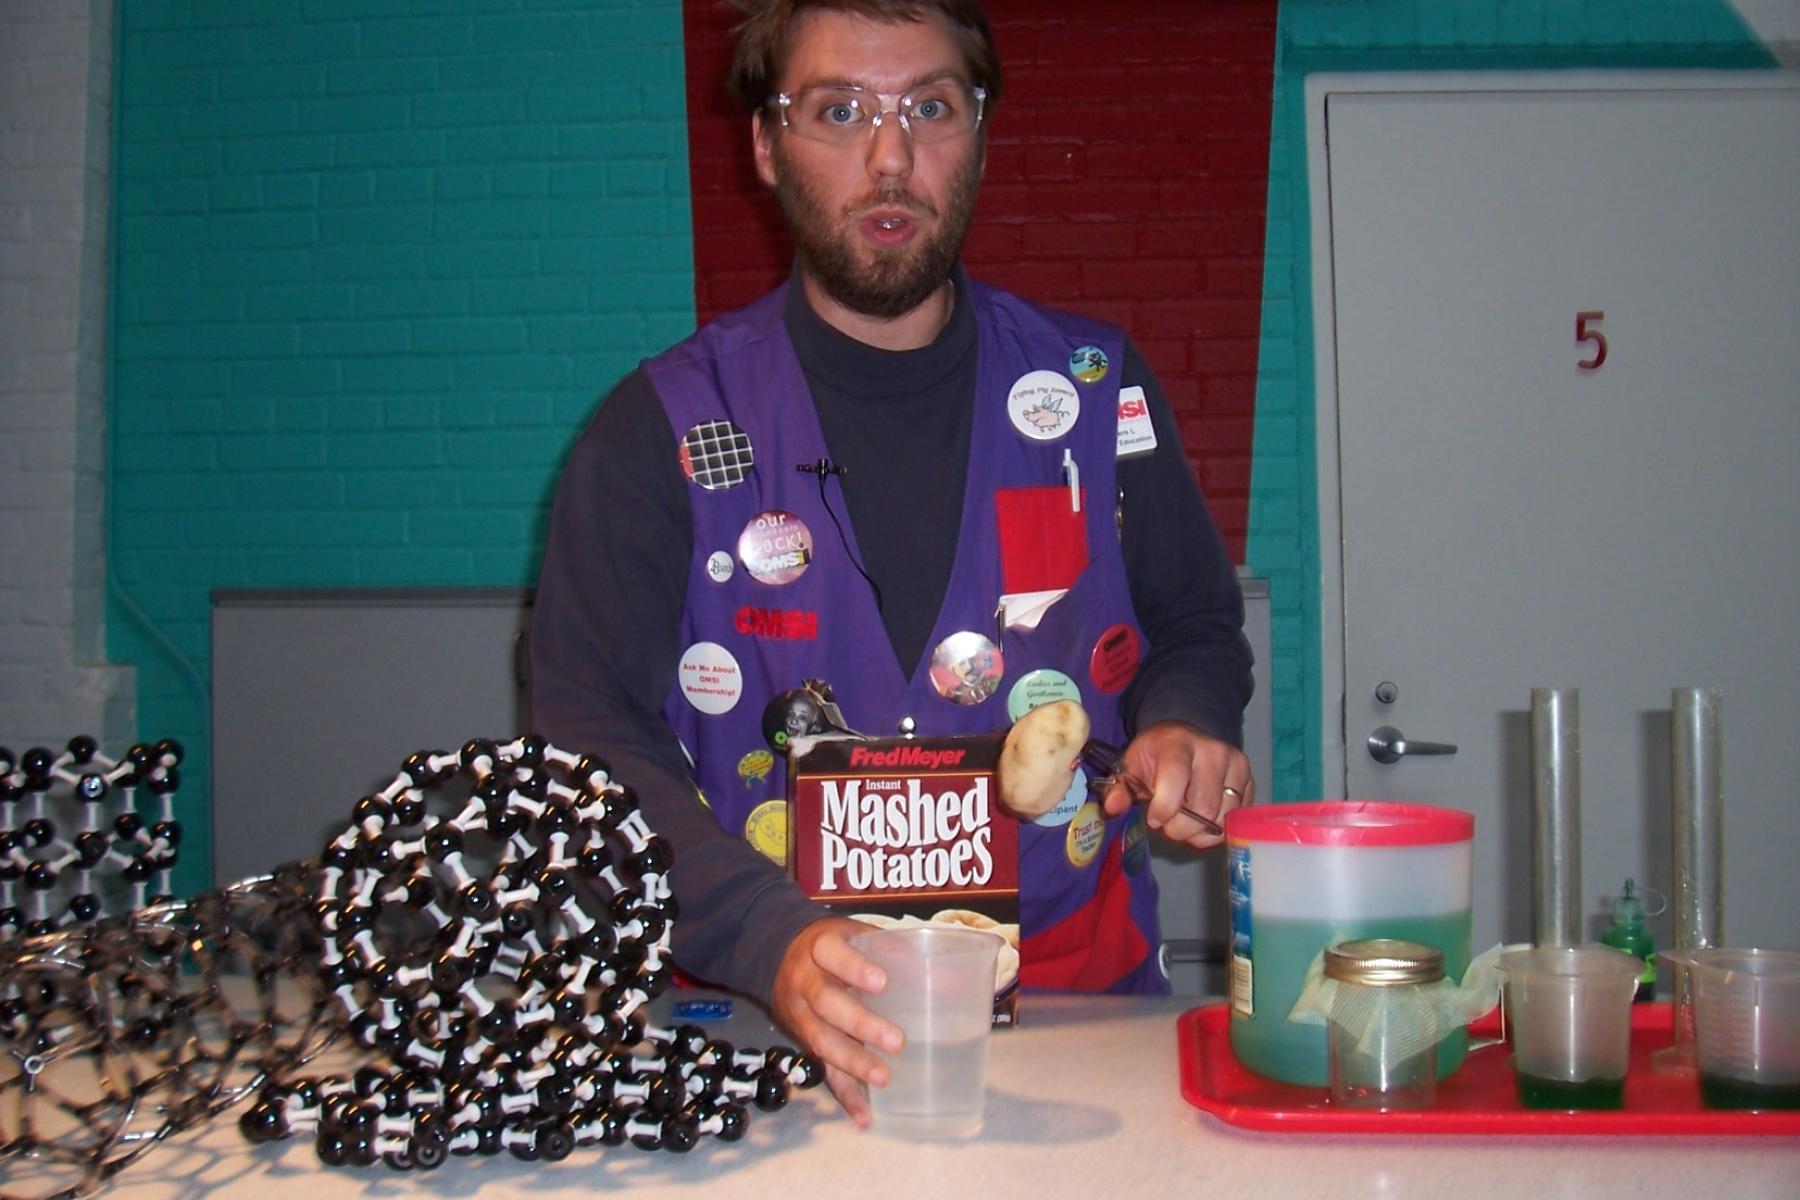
(1038, 760)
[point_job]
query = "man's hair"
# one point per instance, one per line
(762, 47)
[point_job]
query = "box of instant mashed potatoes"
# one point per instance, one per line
(905, 831)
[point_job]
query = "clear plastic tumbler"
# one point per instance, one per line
(940, 992)
(1569, 1010)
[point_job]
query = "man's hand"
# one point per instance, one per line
(1183, 768)
(813, 1002)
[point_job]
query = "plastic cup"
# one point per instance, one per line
(940, 992)
(1746, 1025)
(1569, 1010)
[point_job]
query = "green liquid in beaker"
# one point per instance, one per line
(1722, 1091)
(1537, 1092)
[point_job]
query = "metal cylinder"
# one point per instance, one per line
(1556, 816)
(1697, 820)
(1698, 816)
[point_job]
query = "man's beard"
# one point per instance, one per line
(872, 280)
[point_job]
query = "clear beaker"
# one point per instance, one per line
(1746, 1025)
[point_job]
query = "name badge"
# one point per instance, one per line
(1136, 434)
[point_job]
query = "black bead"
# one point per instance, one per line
(333, 1147)
(477, 749)
(655, 858)
(503, 823)
(82, 749)
(734, 1121)
(678, 1134)
(771, 1090)
(91, 789)
(409, 809)
(555, 886)
(555, 1142)
(92, 847)
(442, 842)
(37, 764)
(85, 907)
(418, 768)
(370, 808)
(516, 920)
(263, 1123)
(531, 750)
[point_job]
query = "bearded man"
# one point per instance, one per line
(841, 481)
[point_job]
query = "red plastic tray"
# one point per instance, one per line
(1479, 1098)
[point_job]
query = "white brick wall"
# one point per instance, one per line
(56, 100)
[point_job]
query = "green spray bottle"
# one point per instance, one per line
(1629, 934)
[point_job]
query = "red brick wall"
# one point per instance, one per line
(1127, 178)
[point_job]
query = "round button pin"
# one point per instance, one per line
(1115, 659)
(719, 566)
(1089, 364)
(766, 829)
(1043, 405)
(716, 455)
(710, 678)
(755, 766)
(1087, 833)
(1037, 688)
(967, 668)
(775, 547)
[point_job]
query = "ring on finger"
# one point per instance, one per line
(1233, 792)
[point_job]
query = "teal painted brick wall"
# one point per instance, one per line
(1394, 35)
(375, 262)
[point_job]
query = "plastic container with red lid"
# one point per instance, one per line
(1305, 875)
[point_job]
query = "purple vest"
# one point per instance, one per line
(823, 624)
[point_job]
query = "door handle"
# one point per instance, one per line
(1389, 745)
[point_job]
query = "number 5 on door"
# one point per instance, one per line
(1585, 331)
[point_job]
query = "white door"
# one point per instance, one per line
(1517, 511)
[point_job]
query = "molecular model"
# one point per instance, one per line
(42, 787)
(116, 1035)
(494, 924)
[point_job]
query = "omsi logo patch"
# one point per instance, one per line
(790, 624)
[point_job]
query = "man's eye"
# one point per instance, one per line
(844, 112)
(931, 109)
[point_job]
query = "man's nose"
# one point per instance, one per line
(890, 148)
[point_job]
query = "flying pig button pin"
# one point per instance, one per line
(1043, 405)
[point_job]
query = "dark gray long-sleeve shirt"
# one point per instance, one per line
(605, 634)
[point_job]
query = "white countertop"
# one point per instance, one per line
(1084, 1100)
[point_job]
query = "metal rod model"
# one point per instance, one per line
(1556, 816)
(1697, 819)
